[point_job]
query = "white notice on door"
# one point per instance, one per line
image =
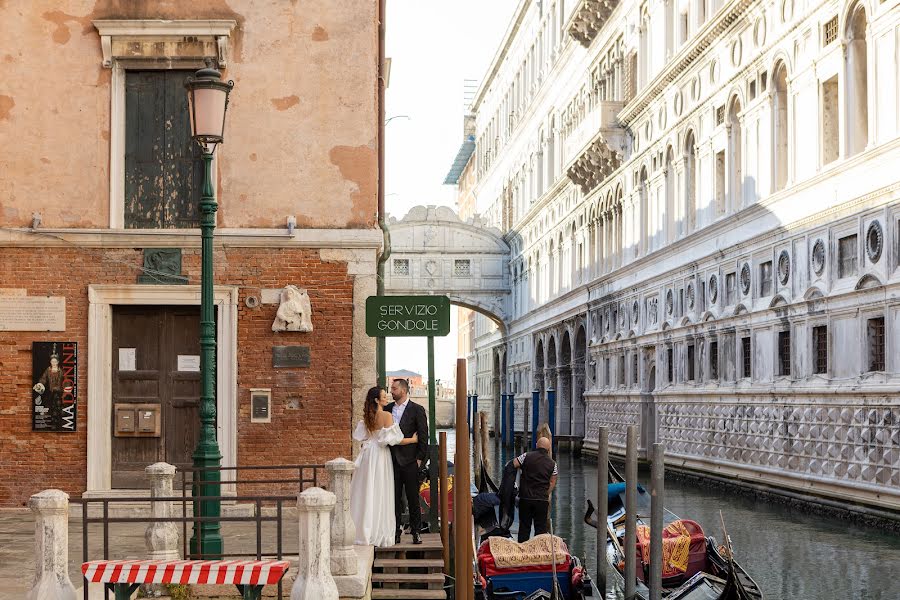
(188, 362)
(127, 359)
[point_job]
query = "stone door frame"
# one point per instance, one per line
(101, 299)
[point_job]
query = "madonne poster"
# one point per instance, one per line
(54, 404)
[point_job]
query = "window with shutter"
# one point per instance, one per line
(163, 167)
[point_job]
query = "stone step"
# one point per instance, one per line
(424, 578)
(430, 541)
(408, 594)
(409, 563)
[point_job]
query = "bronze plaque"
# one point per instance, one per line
(286, 357)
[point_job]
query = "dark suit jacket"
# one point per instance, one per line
(413, 421)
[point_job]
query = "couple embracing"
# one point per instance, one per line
(394, 446)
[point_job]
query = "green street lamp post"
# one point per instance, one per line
(207, 103)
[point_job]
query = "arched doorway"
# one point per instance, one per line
(538, 373)
(578, 377)
(563, 423)
(550, 379)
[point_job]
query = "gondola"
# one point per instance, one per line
(695, 567)
(506, 570)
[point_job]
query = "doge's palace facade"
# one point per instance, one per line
(702, 198)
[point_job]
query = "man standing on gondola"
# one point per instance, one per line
(536, 483)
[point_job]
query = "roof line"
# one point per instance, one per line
(511, 31)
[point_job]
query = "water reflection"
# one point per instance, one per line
(792, 554)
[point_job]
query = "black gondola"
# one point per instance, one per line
(709, 572)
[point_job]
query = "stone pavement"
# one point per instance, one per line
(126, 540)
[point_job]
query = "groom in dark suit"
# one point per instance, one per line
(409, 458)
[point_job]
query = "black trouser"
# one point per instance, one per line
(407, 477)
(532, 511)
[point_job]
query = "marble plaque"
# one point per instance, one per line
(33, 313)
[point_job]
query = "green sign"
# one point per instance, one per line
(407, 316)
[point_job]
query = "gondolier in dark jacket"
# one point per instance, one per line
(536, 483)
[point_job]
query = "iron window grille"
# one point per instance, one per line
(690, 362)
(462, 267)
(876, 344)
(830, 30)
(634, 368)
(745, 357)
(714, 360)
(401, 267)
(784, 353)
(670, 365)
(820, 349)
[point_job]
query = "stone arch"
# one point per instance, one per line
(778, 301)
(813, 293)
(733, 118)
(578, 378)
(563, 423)
(671, 225)
(780, 128)
(549, 373)
(868, 282)
(690, 179)
(855, 84)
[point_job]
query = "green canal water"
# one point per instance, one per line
(791, 553)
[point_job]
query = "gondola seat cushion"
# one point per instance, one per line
(684, 551)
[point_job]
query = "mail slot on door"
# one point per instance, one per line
(137, 420)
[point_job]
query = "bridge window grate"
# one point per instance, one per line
(401, 267)
(462, 267)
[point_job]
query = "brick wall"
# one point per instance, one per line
(317, 431)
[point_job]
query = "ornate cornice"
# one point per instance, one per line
(708, 36)
(588, 19)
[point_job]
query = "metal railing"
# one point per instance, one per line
(96, 511)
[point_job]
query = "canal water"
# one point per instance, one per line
(792, 554)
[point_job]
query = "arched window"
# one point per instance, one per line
(735, 169)
(857, 82)
(551, 154)
(645, 213)
(644, 53)
(671, 221)
(690, 182)
(780, 129)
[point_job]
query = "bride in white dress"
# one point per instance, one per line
(372, 487)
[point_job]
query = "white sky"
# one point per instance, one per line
(433, 45)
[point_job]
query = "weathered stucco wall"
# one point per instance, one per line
(301, 132)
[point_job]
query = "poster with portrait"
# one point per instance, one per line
(54, 386)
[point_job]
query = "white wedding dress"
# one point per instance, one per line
(372, 486)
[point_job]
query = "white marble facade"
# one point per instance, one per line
(702, 202)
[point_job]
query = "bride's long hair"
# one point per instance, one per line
(371, 407)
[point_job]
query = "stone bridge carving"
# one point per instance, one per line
(434, 252)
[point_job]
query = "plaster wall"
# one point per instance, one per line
(301, 133)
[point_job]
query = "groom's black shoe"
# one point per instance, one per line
(397, 537)
(416, 538)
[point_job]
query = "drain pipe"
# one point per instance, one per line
(381, 346)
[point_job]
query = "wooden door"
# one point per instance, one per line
(154, 353)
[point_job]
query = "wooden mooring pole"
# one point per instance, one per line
(657, 482)
(602, 506)
(462, 504)
(444, 497)
(630, 512)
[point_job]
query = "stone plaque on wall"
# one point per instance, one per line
(33, 313)
(285, 357)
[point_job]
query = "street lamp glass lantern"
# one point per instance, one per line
(207, 103)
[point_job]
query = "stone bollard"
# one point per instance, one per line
(161, 538)
(343, 555)
(314, 580)
(51, 536)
